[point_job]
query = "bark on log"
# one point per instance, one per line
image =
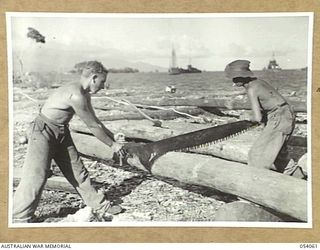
(234, 149)
(282, 193)
(223, 103)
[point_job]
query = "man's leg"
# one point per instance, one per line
(283, 159)
(34, 176)
(70, 164)
(266, 148)
(284, 163)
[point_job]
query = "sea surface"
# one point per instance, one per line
(291, 83)
(288, 82)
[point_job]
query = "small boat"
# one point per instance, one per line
(190, 69)
(174, 71)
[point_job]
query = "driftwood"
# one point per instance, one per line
(234, 149)
(223, 103)
(282, 193)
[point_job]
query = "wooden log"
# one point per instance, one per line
(58, 183)
(143, 129)
(138, 95)
(110, 107)
(160, 114)
(243, 211)
(282, 193)
(234, 149)
(237, 148)
(223, 103)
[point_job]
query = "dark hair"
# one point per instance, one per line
(90, 67)
(242, 79)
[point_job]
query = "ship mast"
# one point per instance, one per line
(173, 58)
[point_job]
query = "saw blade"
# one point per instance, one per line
(147, 153)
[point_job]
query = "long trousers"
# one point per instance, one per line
(47, 142)
(270, 149)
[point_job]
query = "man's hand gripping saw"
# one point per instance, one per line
(118, 147)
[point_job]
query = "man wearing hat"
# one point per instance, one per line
(271, 109)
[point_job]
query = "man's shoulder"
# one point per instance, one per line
(70, 89)
(257, 84)
(69, 92)
(70, 86)
(76, 95)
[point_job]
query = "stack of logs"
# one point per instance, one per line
(220, 166)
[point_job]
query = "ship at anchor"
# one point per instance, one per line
(273, 65)
(175, 70)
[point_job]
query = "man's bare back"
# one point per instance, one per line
(267, 96)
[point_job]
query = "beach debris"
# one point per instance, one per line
(157, 123)
(23, 140)
(202, 120)
(239, 97)
(293, 93)
(120, 137)
(82, 215)
(303, 163)
(93, 164)
(170, 89)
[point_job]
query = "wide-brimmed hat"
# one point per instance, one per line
(238, 68)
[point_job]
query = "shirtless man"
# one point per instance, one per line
(269, 107)
(50, 139)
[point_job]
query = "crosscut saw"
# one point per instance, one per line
(149, 152)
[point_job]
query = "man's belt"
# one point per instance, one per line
(277, 107)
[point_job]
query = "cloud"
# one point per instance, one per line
(184, 45)
(235, 50)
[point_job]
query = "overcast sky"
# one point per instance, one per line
(208, 43)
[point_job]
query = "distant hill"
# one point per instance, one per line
(42, 58)
(146, 67)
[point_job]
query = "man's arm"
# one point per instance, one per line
(83, 108)
(255, 106)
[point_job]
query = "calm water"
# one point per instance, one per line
(286, 81)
